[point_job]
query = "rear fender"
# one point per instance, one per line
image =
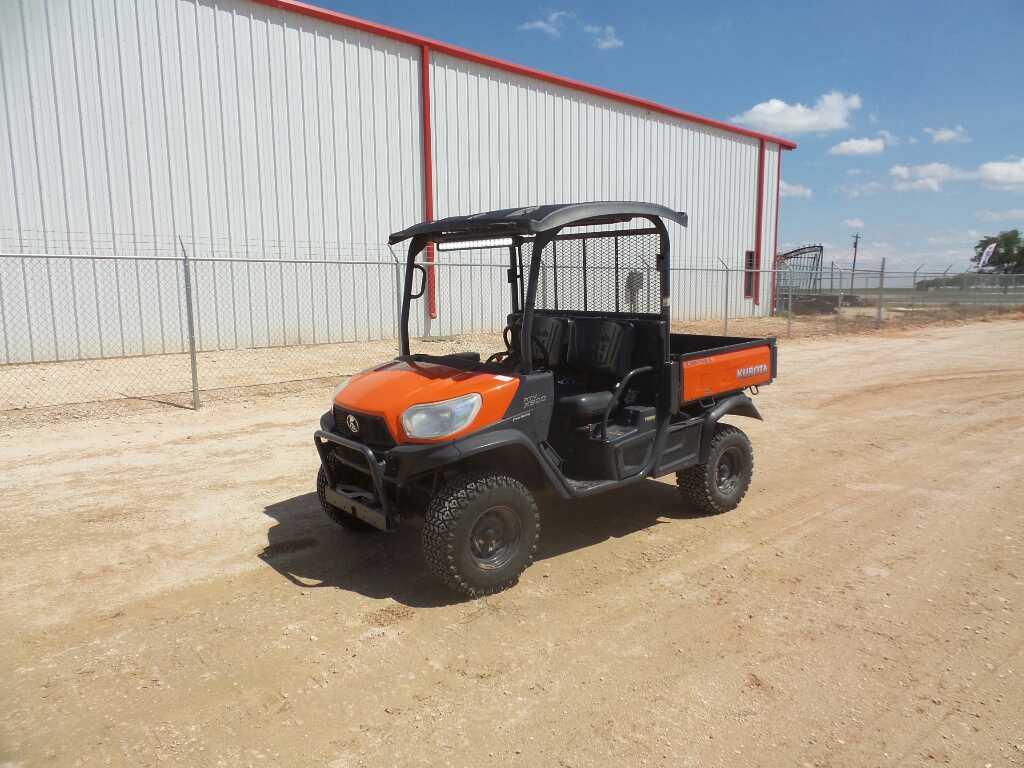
(735, 405)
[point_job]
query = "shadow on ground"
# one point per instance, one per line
(311, 551)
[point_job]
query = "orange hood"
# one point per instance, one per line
(389, 389)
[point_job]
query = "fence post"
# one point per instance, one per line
(399, 294)
(191, 326)
(789, 302)
(881, 286)
(725, 331)
(839, 301)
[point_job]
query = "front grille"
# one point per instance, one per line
(372, 431)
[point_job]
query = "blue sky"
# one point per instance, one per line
(909, 115)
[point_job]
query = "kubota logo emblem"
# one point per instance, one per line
(352, 423)
(752, 370)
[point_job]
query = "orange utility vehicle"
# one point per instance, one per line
(591, 393)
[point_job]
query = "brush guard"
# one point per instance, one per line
(371, 508)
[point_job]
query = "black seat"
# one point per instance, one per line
(549, 339)
(575, 408)
(549, 336)
(599, 352)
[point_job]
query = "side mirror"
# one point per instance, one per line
(422, 271)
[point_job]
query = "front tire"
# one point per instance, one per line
(480, 533)
(721, 483)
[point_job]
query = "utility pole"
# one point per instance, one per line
(853, 273)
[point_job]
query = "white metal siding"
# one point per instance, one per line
(206, 119)
(255, 133)
(768, 224)
(505, 140)
(244, 130)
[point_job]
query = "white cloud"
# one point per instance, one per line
(930, 176)
(1007, 215)
(794, 190)
(551, 25)
(854, 171)
(955, 135)
(858, 147)
(830, 113)
(604, 38)
(853, 223)
(1005, 174)
(861, 189)
(954, 238)
(865, 146)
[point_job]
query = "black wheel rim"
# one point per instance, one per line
(727, 474)
(495, 537)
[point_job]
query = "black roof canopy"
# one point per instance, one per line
(537, 218)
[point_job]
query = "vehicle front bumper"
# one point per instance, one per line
(388, 470)
(372, 508)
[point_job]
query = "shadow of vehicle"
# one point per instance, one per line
(311, 551)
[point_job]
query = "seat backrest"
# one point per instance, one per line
(549, 340)
(550, 335)
(601, 348)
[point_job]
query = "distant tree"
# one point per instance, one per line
(1009, 250)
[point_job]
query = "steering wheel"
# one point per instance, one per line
(501, 357)
(510, 352)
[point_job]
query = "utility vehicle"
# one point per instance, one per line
(592, 392)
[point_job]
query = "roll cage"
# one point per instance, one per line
(542, 228)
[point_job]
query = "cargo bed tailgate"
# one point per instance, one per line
(721, 365)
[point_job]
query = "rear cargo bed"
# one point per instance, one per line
(710, 366)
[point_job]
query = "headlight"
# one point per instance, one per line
(440, 419)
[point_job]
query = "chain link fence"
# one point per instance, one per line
(170, 319)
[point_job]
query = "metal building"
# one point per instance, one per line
(250, 132)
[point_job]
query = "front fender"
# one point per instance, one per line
(504, 442)
(510, 445)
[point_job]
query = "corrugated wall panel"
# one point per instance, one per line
(769, 223)
(256, 133)
(563, 145)
(246, 131)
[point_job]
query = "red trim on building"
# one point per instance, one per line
(463, 53)
(775, 250)
(428, 175)
(758, 234)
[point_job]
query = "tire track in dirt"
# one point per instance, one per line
(808, 626)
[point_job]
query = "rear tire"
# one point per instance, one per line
(721, 483)
(339, 516)
(480, 533)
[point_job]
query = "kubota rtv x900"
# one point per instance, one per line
(592, 392)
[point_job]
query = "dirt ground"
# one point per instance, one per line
(171, 595)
